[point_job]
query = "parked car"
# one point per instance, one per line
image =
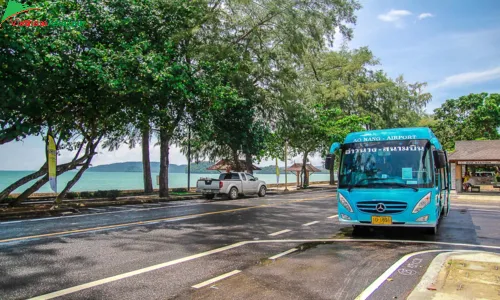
(232, 184)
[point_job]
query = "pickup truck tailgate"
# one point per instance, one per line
(207, 185)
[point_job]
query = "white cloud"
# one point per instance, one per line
(425, 15)
(394, 15)
(469, 78)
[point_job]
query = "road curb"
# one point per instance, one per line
(426, 287)
(430, 286)
(74, 206)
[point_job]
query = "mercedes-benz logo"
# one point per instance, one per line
(380, 207)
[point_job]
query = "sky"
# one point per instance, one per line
(452, 45)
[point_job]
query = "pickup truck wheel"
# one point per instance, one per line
(233, 193)
(209, 196)
(262, 191)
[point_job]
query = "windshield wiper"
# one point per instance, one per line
(357, 184)
(401, 185)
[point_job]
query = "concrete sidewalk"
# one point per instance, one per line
(460, 275)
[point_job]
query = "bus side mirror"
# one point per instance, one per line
(328, 162)
(439, 159)
(435, 142)
(334, 147)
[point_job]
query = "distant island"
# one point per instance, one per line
(136, 166)
(196, 168)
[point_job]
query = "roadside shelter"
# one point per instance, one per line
(297, 168)
(227, 166)
(471, 155)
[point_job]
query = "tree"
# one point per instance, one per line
(471, 117)
(346, 79)
(267, 41)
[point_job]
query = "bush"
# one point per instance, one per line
(86, 195)
(179, 190)
(113, 194)
(71, 195)
(101, 194)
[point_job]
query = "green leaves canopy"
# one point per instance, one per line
(471, 117)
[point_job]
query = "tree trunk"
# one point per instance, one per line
(248, 161)
(6, 192)
(236, 160)
(73, 181)
(35, 187)
(332, 174)
(91, 152)
(164, 153)
(305, 181)
(146, 163)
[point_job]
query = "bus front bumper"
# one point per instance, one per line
(394, 224)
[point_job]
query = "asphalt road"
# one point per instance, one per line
(280, 247)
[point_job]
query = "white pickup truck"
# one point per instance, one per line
(231, 184)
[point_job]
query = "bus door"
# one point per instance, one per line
(447, 185)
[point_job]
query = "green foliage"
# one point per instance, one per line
(471, 117)
(427, 121)
(113, 194)
(71, 195)
(86, 195)
(100, 194)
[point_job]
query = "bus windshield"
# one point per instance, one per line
(400, 163)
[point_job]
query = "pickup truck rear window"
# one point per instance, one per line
(228, 176)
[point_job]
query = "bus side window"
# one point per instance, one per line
(444, 179)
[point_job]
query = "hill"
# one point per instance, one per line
(136, 166)
(199, 168)
(272, 170)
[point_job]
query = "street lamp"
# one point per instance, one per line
(286, 159)
(189, 159)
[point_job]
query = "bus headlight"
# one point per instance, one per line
(423, 219)
(422, 203)
(344, 203)
(345, 217)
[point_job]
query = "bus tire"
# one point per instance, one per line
(359, 230)
(432, 230)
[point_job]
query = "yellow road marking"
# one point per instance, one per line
(153, 221)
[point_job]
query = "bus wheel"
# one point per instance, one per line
(432, 230)
(359, 230)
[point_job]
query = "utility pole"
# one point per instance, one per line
(286, 171)
(189, 158)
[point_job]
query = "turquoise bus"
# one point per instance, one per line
(392, 177)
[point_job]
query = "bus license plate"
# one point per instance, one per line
(381, 220)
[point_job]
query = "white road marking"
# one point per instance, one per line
(332, 217)
(376, 284)
(488, 210)
(474, 206)
(132, 273)
(310, 223)
(223, 276)
(280, 232)
(283, 253)
(11, 222)
(229, 247)
(97, 209)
